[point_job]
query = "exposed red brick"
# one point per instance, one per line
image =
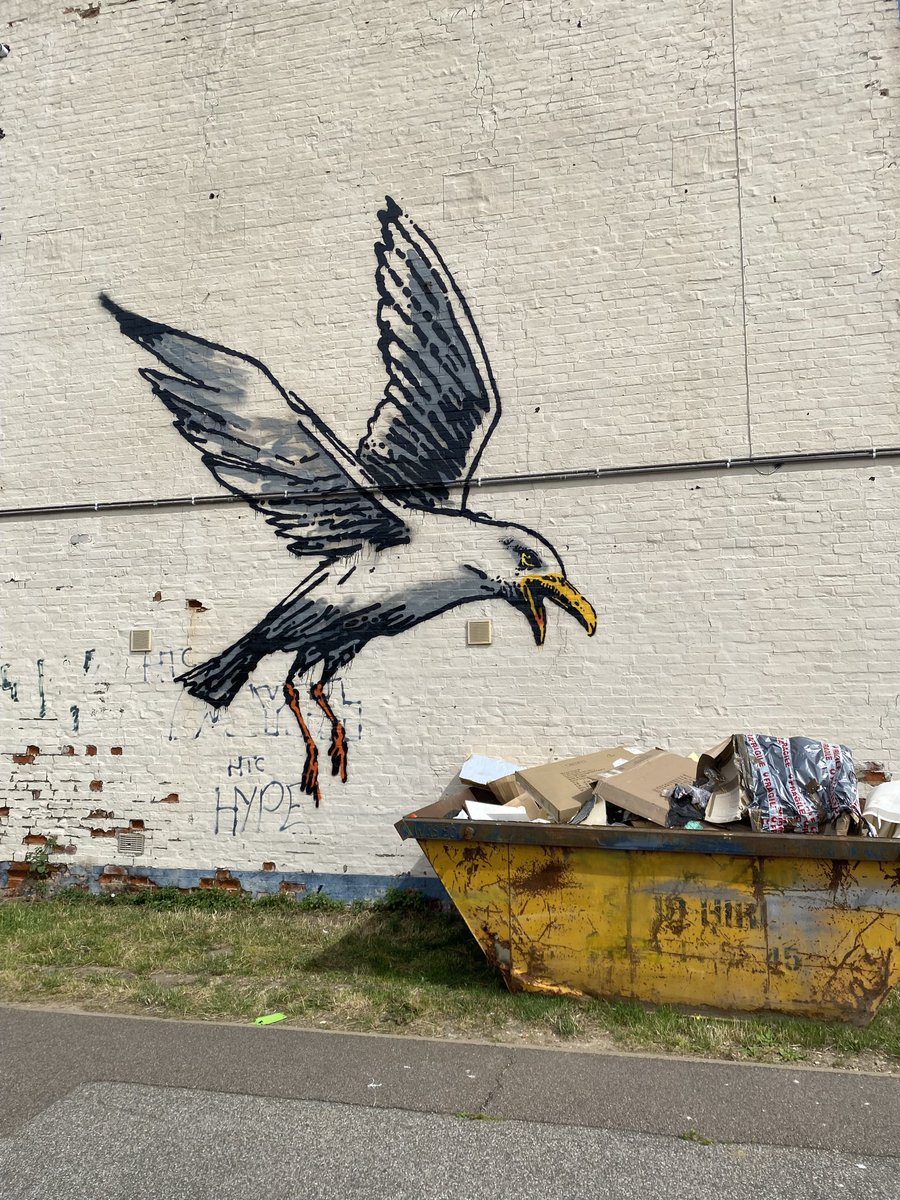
(196, 606)
(96, 785)
(222, 879)
(16, 876)
(22, 759)
(157, 596)
(172, 798)
(34, 839)
(100, 814)
(4, 811)
(135, 824)
(34, 750)
(140, 882)
(90, 751)
(95, 833)
(68, 751)
(122, 879)
(35, 793)
(288, 885)
(268, 866)
(115, 750)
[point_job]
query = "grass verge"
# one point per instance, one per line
(396, 966)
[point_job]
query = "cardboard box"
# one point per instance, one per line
(727, 801)
(451, 805)
(505, 789)
(642, 786)
(533, 810)
(726, 805)
(716, 759)
(562, 787)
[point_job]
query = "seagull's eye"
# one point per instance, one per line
(528, 561)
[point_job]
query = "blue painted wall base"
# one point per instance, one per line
(111, 878)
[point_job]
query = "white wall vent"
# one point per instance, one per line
(130, 843)
(479, 633)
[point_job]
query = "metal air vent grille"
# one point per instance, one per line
(130, 843)
(479, 633)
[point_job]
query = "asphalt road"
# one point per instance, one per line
(119, 1107)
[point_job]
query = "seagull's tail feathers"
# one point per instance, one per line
(219, 680)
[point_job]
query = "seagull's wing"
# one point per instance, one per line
(441, 402)
(284, 461)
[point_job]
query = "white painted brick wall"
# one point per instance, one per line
(219, 164)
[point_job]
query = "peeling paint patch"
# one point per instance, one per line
(120, 879)
(16, 876)
(131, 827)
(222, 879)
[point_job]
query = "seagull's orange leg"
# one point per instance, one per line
(337, 751)
(310, 783)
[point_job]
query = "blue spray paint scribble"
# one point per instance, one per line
(88, 655)
(7, 684)
(75, 717)
(40, 674)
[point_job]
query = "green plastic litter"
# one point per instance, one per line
(271, 1018)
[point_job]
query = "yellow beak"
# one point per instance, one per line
(555, 587)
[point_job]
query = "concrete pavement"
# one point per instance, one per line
(131, 1107)
(123, 1141)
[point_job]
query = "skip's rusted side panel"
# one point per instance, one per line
(796, 935)
(476, 877)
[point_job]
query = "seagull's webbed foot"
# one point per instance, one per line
(310, 781)
(337, 751)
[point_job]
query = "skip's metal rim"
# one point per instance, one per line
(433, 823)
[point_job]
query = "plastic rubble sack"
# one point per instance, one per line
(796, 785)
(687, 806)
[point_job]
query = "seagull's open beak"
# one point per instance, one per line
(555, 587)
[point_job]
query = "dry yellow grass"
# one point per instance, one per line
(399, 968)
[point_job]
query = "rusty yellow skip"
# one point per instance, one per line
(739, 922)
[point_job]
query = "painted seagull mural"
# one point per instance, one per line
(403, 493)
